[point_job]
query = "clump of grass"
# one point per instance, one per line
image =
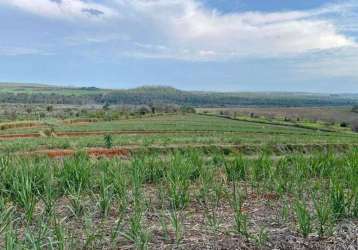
(59, 235)
(236, 170)
(76, 206)
(136, 231)
(49, 193)
(338, 199)
(240, 218)
(178, 180)
(177, 225)
(261, 238)
(6, 217)
(154, 169)
(91, 235)
(303, 218)
(75, 174)
(212, 219)
(11, 239)
(323, 213)
(24, 195)
(38, 238)
(106, 196)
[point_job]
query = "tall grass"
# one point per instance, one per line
(128, 196)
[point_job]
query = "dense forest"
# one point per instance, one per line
(41, 94)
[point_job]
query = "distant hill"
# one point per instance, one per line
(42, 93)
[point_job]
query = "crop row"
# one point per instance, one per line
(154, 200)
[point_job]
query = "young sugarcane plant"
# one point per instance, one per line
(303, 218)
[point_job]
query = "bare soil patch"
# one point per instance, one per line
(93, 152)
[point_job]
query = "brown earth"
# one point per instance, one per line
(245, 149)
(93, 152)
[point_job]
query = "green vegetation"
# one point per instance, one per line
(130, 201)
(174, 131)
(155, 176)
(13, 93)
(108, 141)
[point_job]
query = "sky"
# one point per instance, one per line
(214, 45)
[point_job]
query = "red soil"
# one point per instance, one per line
(93, 152)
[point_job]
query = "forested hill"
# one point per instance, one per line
(35, 93)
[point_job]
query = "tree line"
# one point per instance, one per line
(148, 96)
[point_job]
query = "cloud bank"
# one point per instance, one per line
(189, 30)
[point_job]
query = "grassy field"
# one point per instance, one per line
(163, 130)
(326, 115)
(177, 181)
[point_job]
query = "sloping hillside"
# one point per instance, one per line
(29, 93)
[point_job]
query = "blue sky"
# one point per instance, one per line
(221, 45)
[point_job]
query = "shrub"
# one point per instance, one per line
(29, 110)
(108, 141)
(188, 109)
(144, 109)
(49, 108)
(49, 132)
(344, 124)
(287, 119)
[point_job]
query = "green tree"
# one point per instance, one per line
(108, 141)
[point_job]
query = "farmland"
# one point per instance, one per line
(170, 177)
(177, 180)
(178, 130)
(178, 125)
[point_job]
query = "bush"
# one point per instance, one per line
(144, 109)
(344, 124)
(108, 141)
(106, 106)
(49, 132)
(188, 109)
(49, 108)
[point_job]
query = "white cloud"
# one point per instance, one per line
(20, 51)
(335, 63)
(63, 9)
(188, 26)
(188, 30)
